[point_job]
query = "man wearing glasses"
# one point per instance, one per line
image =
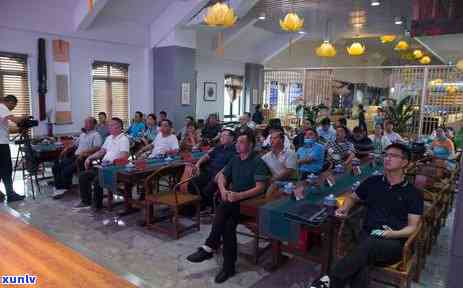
(394, 208)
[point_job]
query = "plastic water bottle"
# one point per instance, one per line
(330, 204)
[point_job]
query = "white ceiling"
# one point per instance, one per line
(334, 14)
(139, 11)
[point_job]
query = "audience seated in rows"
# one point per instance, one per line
(362, 144)
(116, 146)
(64, 168)
(380, 142)
(164, 143)
(340, 151)
(162, 116)
(245, 176)
(311, 155)
(137, 127)
(211, 132)
(102, 127)
(442, 146)
(326, 132)
(181, 132)
(245, 123)
(151, 130)
(210, 164)
(191, 138)
(389, 133)
(298, 141)
(258, 117)
(281, 162)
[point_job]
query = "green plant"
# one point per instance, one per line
(310, 112)
(401, 114)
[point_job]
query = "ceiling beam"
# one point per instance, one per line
(84, 17)
(275, 46)
(177, 13)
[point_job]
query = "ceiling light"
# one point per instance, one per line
(398, 21)
(375, 3)
(262, 16)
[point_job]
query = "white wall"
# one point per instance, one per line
(82, 54)
(213, 69)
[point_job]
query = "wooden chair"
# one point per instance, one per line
(249, 210)
(170, 197)
(402, 273)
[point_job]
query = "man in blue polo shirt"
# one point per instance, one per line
(214, 161)
(394, 209)
(311, 155)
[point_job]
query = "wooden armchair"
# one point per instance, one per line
(402, 273)
(171, 197)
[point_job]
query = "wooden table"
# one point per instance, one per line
(251, 208)
(129, 179)
(26, 250)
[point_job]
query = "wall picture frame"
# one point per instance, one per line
(186, 96)
(210, 91)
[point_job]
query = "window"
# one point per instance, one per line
(14, 80)
(110, 91)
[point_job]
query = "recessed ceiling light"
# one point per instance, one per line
(375, 3)
(262, 16)
(398, 21)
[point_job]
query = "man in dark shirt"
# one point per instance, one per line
(245, 176)
(394, 209)
(212, 129)
(362, 144)
(214, 161)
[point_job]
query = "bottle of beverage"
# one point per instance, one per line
(330, 204)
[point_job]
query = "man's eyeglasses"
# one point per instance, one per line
(393, 155)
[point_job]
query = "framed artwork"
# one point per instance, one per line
(210, 91)
(186, 93)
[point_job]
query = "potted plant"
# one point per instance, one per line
(401, 114)
(310, 112)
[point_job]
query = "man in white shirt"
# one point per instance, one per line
(88, 143)
(7, 104)
(392, 136)
(164, 143)
(116, 146)
(282, 162)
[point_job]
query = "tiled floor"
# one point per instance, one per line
(150, 260)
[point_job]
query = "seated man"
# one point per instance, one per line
(247, 175)
(281, 162)
(137, 127)
(164, 143)
(267, 142)
(389, 133)
(394, 208)
(340, 151)
(211, 132)
(88, 143)
(298, 141)
(102, 126)
(245, 123)
(214, 161)
(326, 132)
(362, 144)
(116, 146)
(311, 155)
